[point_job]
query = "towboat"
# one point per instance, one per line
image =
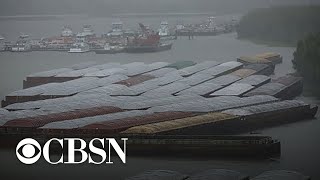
(79, 48)
(110, 49)
(22, 45)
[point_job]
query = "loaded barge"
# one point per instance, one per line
(253, 146)
(209, 28)
(147, 101)
(150, 48)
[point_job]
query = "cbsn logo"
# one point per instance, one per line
(29, 151)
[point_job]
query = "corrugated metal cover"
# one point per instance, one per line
(133, 64)
(83, 65)
(144, 68)
(178, 123)
(3, 111)
(243, 73)
(161, 95)
(105, 72)
(257, 67)
(281, 175)
(196, 68)
(195, 79)
(73, 86)
(136, 70)
(161, 101)
(161, 72)
(287, 80)
(109, 89)
(170, 88)
(236, 89)
(223, 68)
(224, 80)
(32, 91)
(81, 98)
(255, 80)
(273, 57)
(267, 89)
(51, 72)
(125, 123)
(136, 89)
(111, 79)
(107, 65)
(266, 107)
(252, 59)
(136, 80)
(158, 65)
(21, 114)
(166, 79)
(218, 174)
(215, 104)
(39, 121)
(181, 64)
(159, 175)
(201, 89)
(79, 123)
(77, 73)
(193, 105)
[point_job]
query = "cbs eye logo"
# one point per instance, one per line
(28, 151)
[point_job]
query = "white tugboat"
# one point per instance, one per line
(164, 31)
(117, 29)
(86, 33)
(110, 48)
(79, 47)
(22, 45)
(2, 44)
(66, 32)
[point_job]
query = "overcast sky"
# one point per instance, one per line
(107, 7)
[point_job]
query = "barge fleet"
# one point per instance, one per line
(147, 101)
(220, 174)
(148, 41)
(110, 48)
(209, 28)
(22, 44)
(2, 44)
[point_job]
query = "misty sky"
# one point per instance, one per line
(107, 7)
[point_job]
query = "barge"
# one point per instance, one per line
(185, 98)
(209, 28)
(253, 146)
(147, 49)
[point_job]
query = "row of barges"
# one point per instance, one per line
(223, 174)
(153, 100)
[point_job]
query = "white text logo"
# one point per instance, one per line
(29, 150)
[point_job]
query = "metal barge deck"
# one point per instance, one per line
(168, 98)
(253, 146)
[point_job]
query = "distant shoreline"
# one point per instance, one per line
(116, 15)
(36, 17)
(268, 43)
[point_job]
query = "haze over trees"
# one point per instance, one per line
(286, 24)
(307, 57)
(108, 7)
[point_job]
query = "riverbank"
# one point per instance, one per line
(269, 43)
(282, 25)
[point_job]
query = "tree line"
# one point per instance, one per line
(307, 57)
(286, 24)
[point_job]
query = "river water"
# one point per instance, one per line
(300, 141)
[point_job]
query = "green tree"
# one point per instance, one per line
(307, 57)
(285, 24)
